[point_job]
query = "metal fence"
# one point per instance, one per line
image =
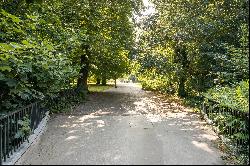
(11, 124)
(231, 123)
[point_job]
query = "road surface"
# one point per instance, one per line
(126, 125)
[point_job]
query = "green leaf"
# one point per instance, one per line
(18, 134)
(2, 77)
(25, 42)
(5, 68)
(11, 82)
(15, 45)
(34, 18)
(6, 47)
(14, 18)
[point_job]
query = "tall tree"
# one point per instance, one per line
(194, 38)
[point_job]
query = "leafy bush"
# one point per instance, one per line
(231, 98)
(31, 66)
(24, 129)
(63, 102)
(236, 97)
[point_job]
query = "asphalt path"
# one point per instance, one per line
(126, 125)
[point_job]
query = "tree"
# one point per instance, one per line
(47, 45)
(194, 37)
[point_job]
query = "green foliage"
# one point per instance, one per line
(195, 45)
(24, 129)
(29, 63)
(42, 44)
(236, 97)
(233, 126)
(64, 101)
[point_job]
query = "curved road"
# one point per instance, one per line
(125, 125)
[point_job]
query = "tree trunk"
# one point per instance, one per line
(181, 58)
(98, 81)
(115, 83)
(104, 81)
(82, 82)
(181, 89)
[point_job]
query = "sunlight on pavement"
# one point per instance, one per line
(153, 118)
(202, 145)
(126, 121)
(85, 117)
(100, 123)
(71, 137)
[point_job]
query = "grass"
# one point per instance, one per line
(99, 88)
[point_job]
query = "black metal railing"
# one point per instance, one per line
(231, 123)
(11, 136)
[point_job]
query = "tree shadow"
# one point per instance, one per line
(89, 126)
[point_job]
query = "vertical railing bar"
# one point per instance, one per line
(35, 117)
(22, 117)
(29, 113)
(1, 144)
(11, 135)
(31, 118)
(16, 129)
(26, 114)
(39, 114)
(7, 139)
(19, 118)
(4, 154)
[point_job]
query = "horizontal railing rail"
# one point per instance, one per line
(16, 126)
(13, 125)
(234, 124)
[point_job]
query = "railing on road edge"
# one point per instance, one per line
(10, 125)
(214, 112)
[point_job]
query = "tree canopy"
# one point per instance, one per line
(47, 45)
(188, 47)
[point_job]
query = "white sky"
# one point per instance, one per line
(150, 7)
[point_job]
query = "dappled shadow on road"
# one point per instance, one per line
(101, 119)
(133, 102)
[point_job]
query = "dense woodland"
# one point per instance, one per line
(195, 49)
(47, 46)
(191, 47)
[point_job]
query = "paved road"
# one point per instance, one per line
(125, 126)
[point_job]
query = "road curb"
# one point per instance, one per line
(32, 139)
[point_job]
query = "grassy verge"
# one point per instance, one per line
(99, 88)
